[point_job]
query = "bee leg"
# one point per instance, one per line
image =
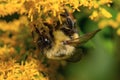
(76, 56)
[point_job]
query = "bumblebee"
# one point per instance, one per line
(59, 41)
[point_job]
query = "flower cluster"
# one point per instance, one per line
(54, 8)
(114, 23)
(9, 7)
(13, 71)
(16, 44)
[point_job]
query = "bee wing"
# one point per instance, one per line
(78, 54)
(86, 37)
(79, 41)
(82, 39)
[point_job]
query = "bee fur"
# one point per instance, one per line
(59, 41)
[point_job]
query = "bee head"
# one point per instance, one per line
(42, 35)
(51, 39)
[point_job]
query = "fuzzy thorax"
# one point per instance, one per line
(60, 50)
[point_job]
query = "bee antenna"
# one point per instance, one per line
(66, 12)
(37, 31)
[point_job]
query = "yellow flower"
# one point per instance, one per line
(105, 13)
(118, 17)
(103, 24)
(14, 25)
(6, 52)
(105, 1)
(9, 7)
(94, 15)
(118, 31)
(113, 23)
(15, 71)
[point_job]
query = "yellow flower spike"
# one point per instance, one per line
(75, 4)
(113, 23)
(6, 52)
(94, 15)
(102, 24)
(11, 7)
(15, 71)
(17, 24)
(105, 1)
(105, 13)
(95, 4)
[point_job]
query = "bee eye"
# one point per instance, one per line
(68, 32)
(47, 41)
(70, 23)
(44, 42)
